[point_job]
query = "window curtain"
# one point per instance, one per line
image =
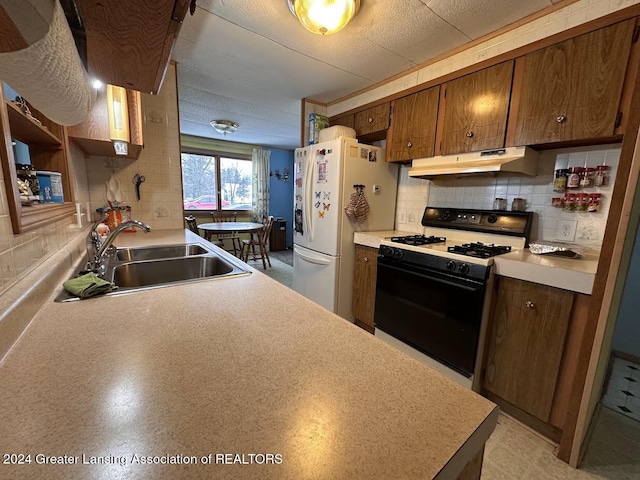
(260, 164)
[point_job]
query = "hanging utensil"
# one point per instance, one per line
(137, 181)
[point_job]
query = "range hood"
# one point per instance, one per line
(522, 160)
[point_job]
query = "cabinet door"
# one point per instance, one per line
(345, 120)
(571, 90)
(525, 347)
(364, 286)
(475, 110)
(413, 126)
(372, 119)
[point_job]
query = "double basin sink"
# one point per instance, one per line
(143, 268)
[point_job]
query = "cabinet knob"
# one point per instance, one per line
(409, 144)
(560, 118)
(530, 304)
(469, 134)
(366, 259)
(370, 120)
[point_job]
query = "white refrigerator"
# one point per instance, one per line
(325, 176)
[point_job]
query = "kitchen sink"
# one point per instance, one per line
(143, 274)
(159, 252)
(143, 268)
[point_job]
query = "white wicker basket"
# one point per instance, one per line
(332, 133)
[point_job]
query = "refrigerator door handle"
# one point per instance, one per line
(309, 194)
(310, 259)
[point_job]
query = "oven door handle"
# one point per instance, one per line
(434, 278)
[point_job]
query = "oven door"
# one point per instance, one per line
(434, 312)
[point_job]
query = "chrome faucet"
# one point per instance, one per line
(102, 246)
(93, 242)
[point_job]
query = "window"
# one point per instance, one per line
(210, 180)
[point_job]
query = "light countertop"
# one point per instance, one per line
(576, 275)
(229, 366)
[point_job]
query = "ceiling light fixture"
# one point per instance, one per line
(324, 17)
(224, 126)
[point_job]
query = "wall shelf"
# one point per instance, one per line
(28, 131)
(49, 150)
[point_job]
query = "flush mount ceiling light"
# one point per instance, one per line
(224, 126)
(324, 17)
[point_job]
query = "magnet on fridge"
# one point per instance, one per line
(326, 205)
(318, 194)
(320, 214)
(317, 205)
(326, 195)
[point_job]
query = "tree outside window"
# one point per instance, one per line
(200, 175)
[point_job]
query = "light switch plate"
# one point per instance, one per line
(566, 230)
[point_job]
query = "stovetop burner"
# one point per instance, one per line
(418, 240)
(479, 250)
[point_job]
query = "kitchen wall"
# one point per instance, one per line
(480, 191)
(20, 253)
(281, 192)
(160, 204)
(570, 16)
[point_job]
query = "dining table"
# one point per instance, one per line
(232, 227)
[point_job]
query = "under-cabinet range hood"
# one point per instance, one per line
(521, 160)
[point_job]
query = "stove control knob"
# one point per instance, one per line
(385, 251)
(493, 218)
(451, 265)
(464, 268)
(398, 253)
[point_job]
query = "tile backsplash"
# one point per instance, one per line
(480, 191)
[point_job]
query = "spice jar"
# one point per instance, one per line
(560, 180)
(500, 204)
(586, 177)
(601, 175)
(569, 204)
(573, 177)
(594, 202)
(582, 202)
(556, 202)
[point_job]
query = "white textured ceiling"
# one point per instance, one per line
(251, 62)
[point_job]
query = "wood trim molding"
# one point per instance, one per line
(601, 22)
(603, 289)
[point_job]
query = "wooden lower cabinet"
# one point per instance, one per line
(364, 286)
(526, 344)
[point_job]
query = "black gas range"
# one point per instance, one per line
(432, 288)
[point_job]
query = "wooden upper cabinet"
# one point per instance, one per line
(413, 126)
(526, 344)
(571, 91)
(129, 44)
(92, 136)
(344, 120)
(474, 114)
(372, 119)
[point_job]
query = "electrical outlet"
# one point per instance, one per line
(403, 217)
(566, 230)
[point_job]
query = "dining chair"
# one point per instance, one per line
(192, 224)
(261, 238)
(232, 237)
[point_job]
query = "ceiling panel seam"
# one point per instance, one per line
(450, 24)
